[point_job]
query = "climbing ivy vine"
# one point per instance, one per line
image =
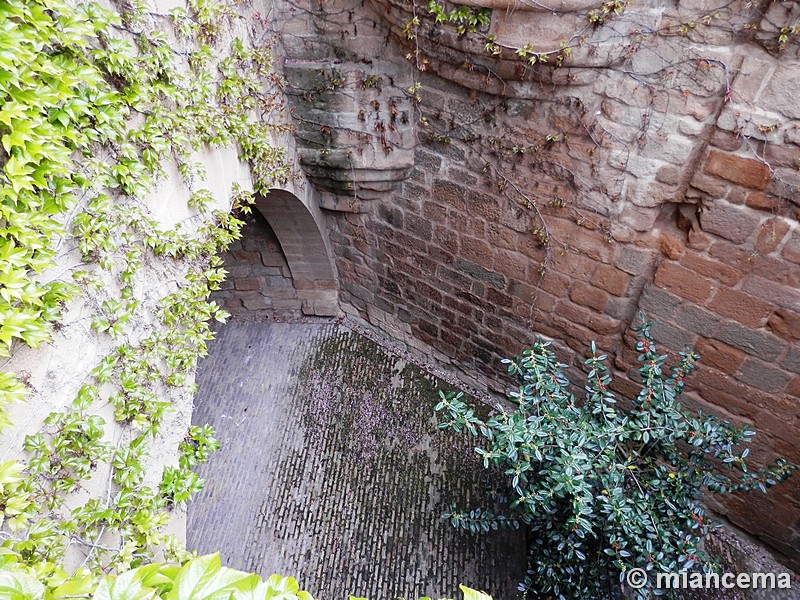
(96, 104)
(202, 578)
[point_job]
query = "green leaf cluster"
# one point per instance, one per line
(95, 105)
(179, 484)
(603, 489)
(201, 578)
(466, 19)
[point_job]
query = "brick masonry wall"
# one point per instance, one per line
(259, 282)
(452, 266)
(571, 199)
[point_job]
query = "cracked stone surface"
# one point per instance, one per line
(332, 469)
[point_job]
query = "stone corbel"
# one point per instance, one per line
(354, 128)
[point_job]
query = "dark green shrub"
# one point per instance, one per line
(603, 489)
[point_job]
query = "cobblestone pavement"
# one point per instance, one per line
(332, 470)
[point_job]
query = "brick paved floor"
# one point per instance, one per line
(332, 470)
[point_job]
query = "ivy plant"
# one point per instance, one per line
(96, 104)
(201, 578)
(179, 484)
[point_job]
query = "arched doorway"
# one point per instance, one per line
(281, 266)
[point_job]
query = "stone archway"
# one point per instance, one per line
(281, 267)
(307, 255)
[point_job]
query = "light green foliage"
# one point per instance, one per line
(197, 446)
(95, 105)
(466, 19)
(603, 489)
(179, 484)
(600, 15)
(201, 578)
(72, 83)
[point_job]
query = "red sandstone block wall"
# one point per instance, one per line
(665, 181)
(451, 263)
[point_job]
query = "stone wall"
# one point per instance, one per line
(56, 371)
(653, 172)
(259, 281)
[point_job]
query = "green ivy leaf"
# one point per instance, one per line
(18, 585)
(470, 594)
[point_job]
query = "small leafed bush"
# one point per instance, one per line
(601, 488)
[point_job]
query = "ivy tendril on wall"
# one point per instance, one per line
(97, 104)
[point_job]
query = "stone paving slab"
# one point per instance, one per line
(332, 469)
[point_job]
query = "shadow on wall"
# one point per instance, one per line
(281, 266)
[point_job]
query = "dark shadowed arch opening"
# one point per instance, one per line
(303, 245)
(306, 252)
(281, 265)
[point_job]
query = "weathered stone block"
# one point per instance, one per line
(672, 337)
(752, 341)
(735, 404)
(780, 93)
(590, 242)
(683, 282)
(238, 270)
(793, 387)
(554, 283)
(697, 240)
(713, 186)
(785, 296)
(730, 222)
(763, 376)
(670, 245)
(710, 268)
(785, 323)
(255, 301)
(599, 323)
(446, 241)
(638, 218)
(719, 355)
(501, 236)
(611, 279)
(434, 212)
(791, 361)
(589, 296)
(512, 264)
(427, 161)
(669, 174)
(746, 309)
(268, 284)
(725, 140)
(287, 304)
(272, 259)
(475, 250)
(419, 227)
(791, 251)
(771, 234)
(762, 201)
(391, 215)
(694, 318)
(498, 298)
(636, 261)
(467, 224)
(575, 265)
(743, 171)
(248, 283)
(658, 303)
(479, 272)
